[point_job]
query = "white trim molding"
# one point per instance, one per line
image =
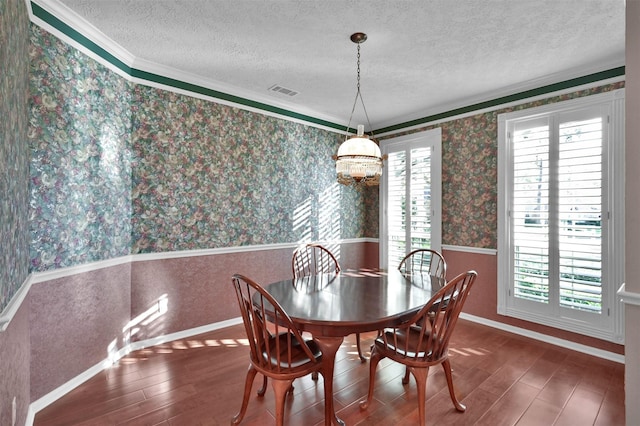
(87, 30)
(113, 359)
(476, 250)
(11, 309)
(507, 92)
(600, 353)
(628, 297)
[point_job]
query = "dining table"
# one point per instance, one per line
(332, 306)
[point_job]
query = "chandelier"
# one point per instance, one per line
(359, 160)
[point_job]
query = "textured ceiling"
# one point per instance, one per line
(421, 57)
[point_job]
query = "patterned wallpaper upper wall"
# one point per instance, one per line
(120, 168)
(207, 175)
(80, 205)
(14, 148)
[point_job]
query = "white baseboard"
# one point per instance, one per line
(546, 338)
(70, 385)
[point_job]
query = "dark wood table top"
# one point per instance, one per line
(353, 301)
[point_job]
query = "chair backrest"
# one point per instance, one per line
(270, 331)
(313, 259)
(425, 337)
(424, 261)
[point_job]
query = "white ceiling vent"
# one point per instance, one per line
(283, 91)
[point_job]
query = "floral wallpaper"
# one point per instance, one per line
(208, 175)
(120, 168)
(14, 149)
(80, 191)
(470, 172)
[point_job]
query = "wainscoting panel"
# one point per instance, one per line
(75, 322)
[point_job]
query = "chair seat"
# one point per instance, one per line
(412, 342)
(298, 357)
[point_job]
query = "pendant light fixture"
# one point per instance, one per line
(359, 160)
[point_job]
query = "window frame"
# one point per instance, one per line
(609, 325)
(428, 138)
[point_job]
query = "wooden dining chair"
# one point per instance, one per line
(422, 264)
(423, 341)
(277, 349)
(314, 259)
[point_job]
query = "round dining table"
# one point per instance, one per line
(331, 307)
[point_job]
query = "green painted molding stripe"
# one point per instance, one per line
(591, 78)
(50, 19)
(194, 88)
(75, 35)
(231, 98)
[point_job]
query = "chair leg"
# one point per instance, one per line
(374, 359)
(251, 374)
(280, 389)
(405, 379)
(446, 365)
(421, 384)
(314, 375)
(263, 389)
(362, 358)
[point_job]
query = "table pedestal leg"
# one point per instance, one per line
(329, 347)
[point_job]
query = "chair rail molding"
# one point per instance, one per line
(477, 250)
(11, 309)
(628, 297)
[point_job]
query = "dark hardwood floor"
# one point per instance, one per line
(503, 379)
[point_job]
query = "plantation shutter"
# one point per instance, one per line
(408, 193)
(531, 210)
(396, 197)
(420, 195)
(580, 213)
(557, 210)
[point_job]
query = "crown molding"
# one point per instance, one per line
(74, 30)
(530, 91)
(67, 25)
(55, 17)
(142, 65)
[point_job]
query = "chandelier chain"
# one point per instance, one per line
(359, 95)
(358, 78)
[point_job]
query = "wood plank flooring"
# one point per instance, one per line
(503, 379)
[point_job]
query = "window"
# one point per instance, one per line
(411, 196)
(560, 205)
